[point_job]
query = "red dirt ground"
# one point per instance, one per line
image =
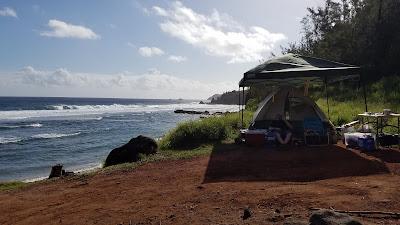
(277, 185)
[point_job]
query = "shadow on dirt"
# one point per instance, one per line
(386, 155)
(235, 163)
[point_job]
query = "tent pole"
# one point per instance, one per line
(243, 104)
(241, 125)
(327, 97)
(365, 95)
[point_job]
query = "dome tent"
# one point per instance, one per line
(299, 110)
(287, 101)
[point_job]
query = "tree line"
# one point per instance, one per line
(359, 32)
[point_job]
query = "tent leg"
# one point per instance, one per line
(241, 124)
(327, 97)
(243, 104)
(365, 96)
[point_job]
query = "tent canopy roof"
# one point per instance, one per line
(294, 69)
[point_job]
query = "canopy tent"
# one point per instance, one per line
(295, 70)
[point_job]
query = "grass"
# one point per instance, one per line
(342, 112)
(191, 139)
(192, 134)
(346, 101)
(12, 185)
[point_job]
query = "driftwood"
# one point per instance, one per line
(391, 214)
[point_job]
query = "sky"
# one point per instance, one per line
(139, 49)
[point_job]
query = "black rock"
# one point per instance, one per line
(56, 171)
(246, 214)
(130, 151)
(330, 217)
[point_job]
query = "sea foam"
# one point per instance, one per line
(8, 140)
(85, 110)
(53, 135)
(33, 125)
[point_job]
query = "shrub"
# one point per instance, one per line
(252, 104)
(196, 132)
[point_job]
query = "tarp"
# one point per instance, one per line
(294, 69)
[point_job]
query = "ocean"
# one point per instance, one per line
(39, 132)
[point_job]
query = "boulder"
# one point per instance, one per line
(246, 213)
(131, 150)
(330, 217)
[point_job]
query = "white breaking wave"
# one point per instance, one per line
(31, 180)
(21, 126)
(7, 140)
(84, 110)
(53, 135)
(34, 125)
(80, 170)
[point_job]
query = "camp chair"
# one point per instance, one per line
(315, 133)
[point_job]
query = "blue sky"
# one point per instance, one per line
(139, 49)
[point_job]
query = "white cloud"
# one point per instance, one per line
(7, 11)
(177, 58)
(160, 11)
(62, 29)
(59, 77)
(152, 84)
(218, 34)
(150, 51)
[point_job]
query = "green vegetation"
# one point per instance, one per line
(192, 139)
(359, 32)
(208, 130)
(12, 185)
(346, 102)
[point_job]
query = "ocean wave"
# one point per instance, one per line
(79, 111)
(53, 135)
(32, 180)
(32, 125)
(78, 169)
(9, 140)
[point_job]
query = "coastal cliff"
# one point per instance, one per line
(228, 98)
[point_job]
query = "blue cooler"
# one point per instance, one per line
(366, 143)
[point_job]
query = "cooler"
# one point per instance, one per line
(366, 143)
(255, 137)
